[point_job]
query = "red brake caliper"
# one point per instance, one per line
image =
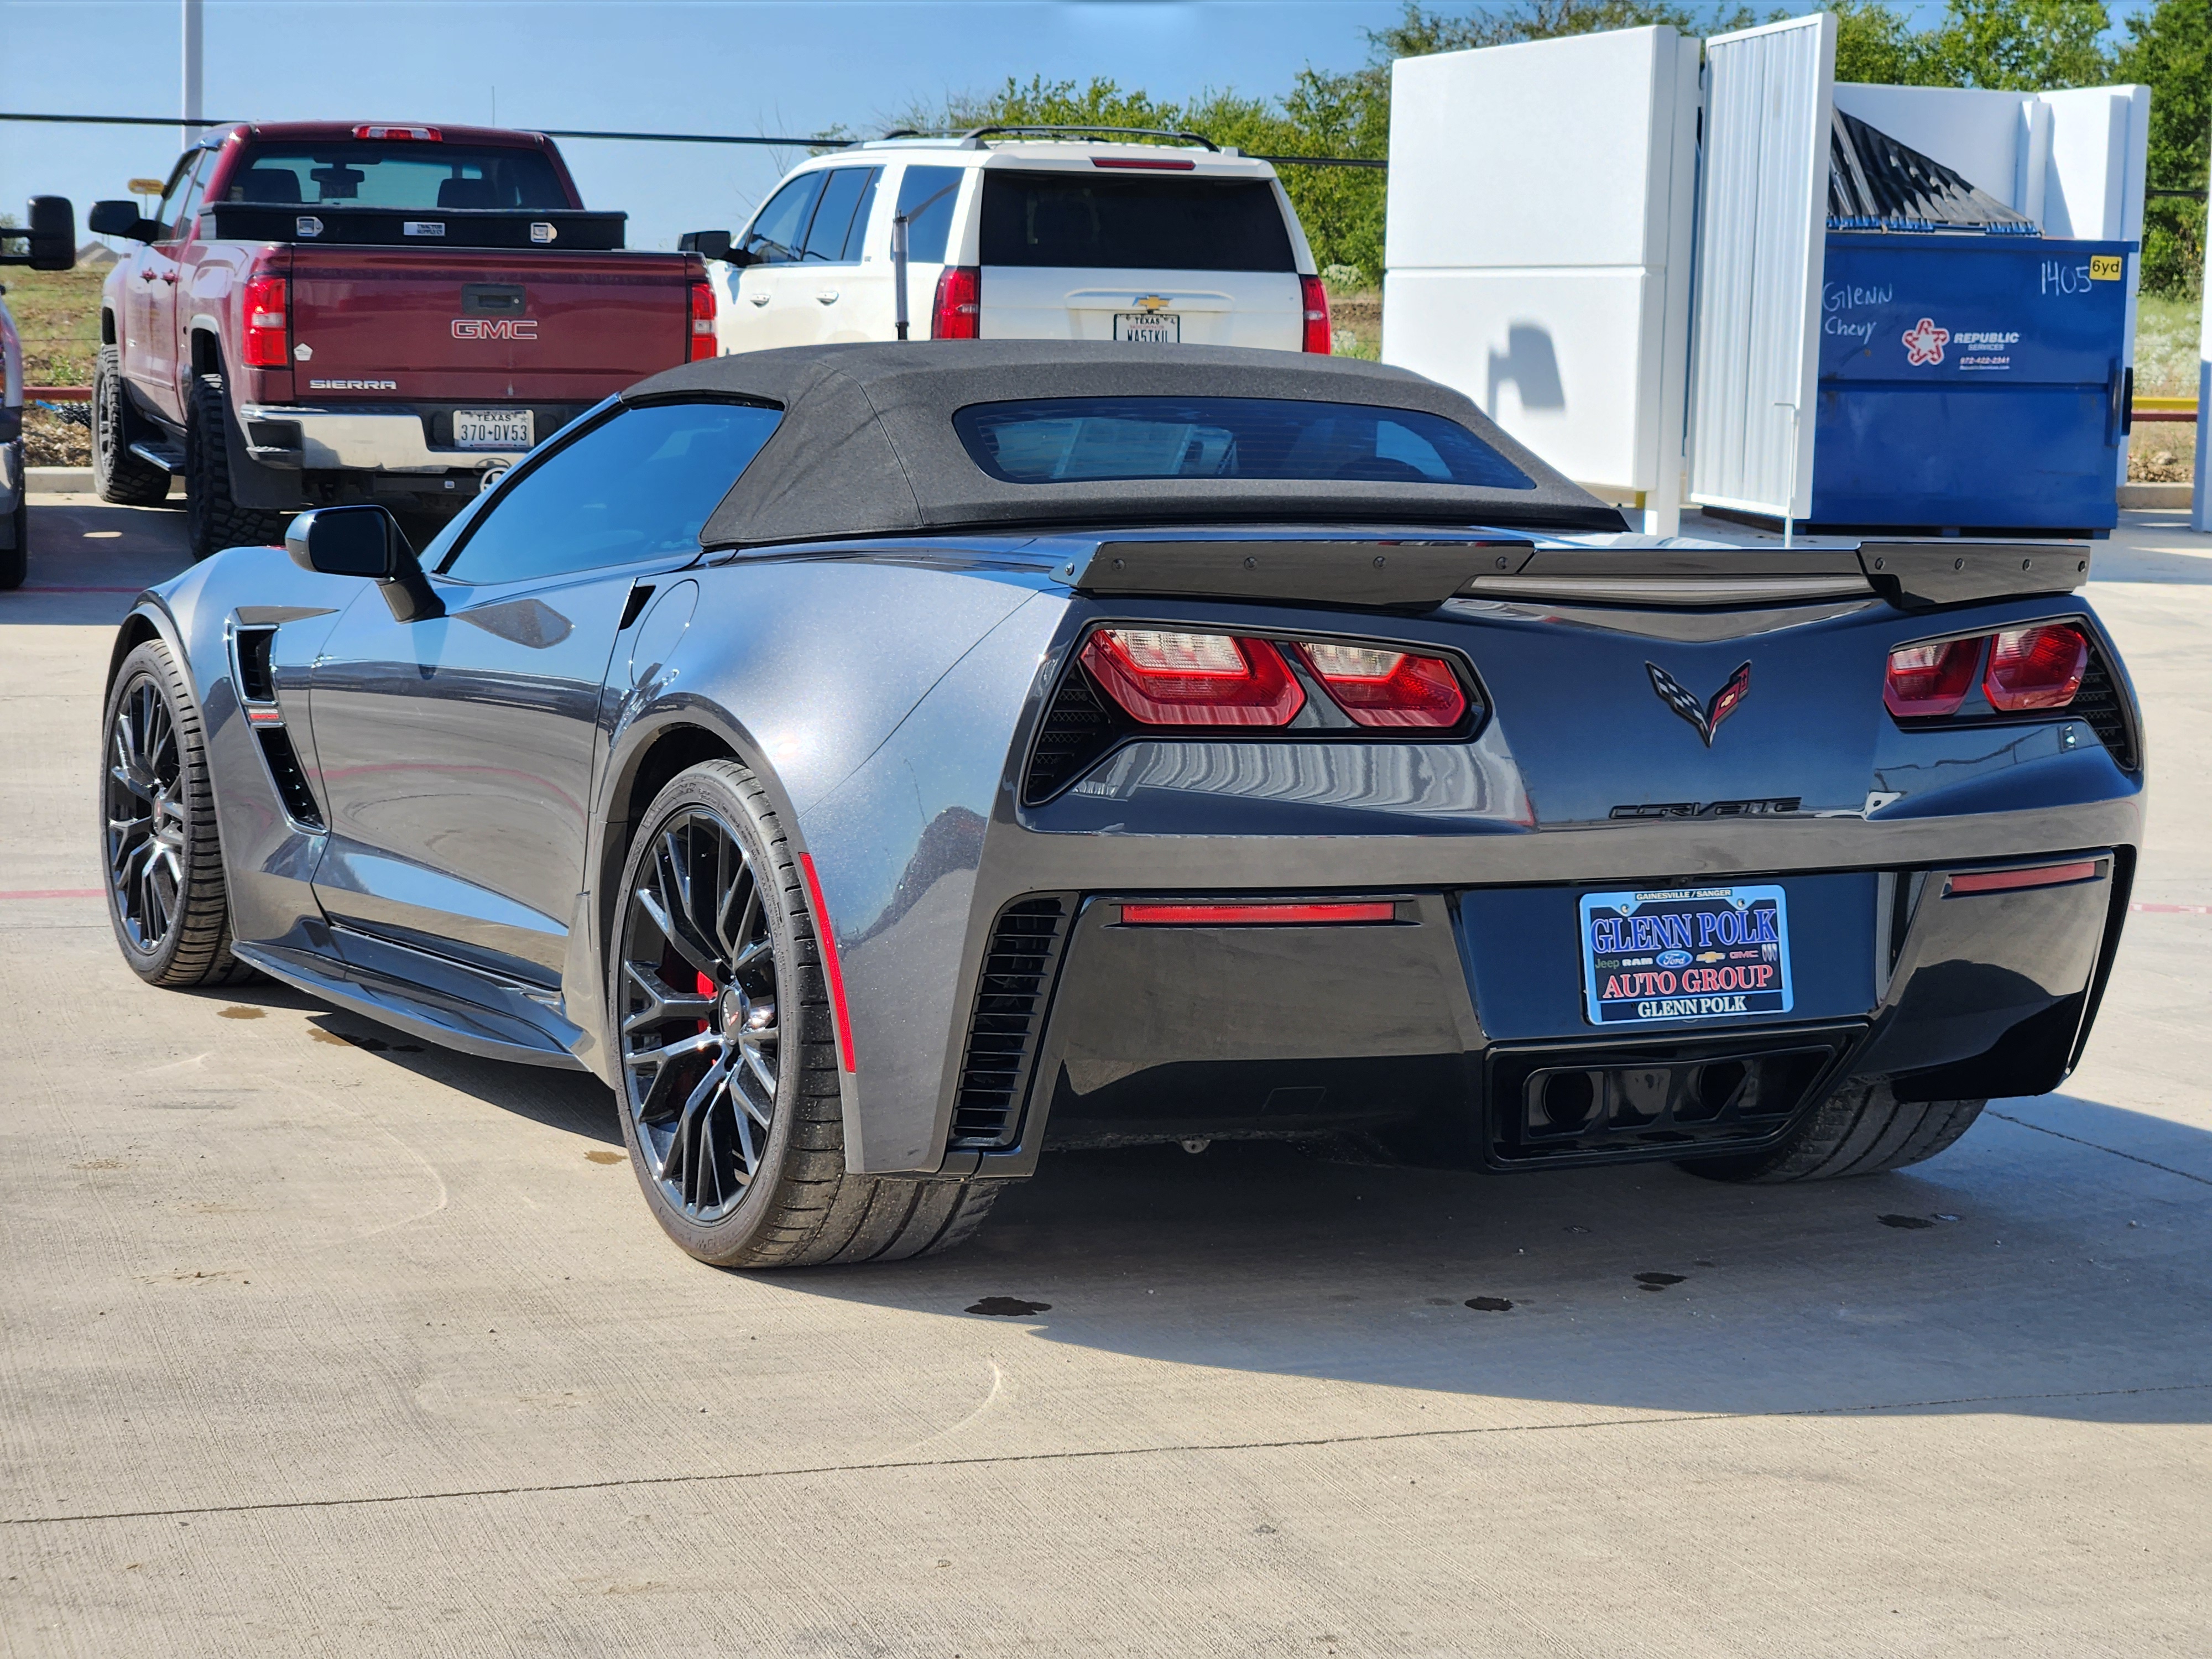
(706, 990)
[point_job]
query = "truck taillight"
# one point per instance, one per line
(703, 343)
(1316, 303)
(958, 314)
(267, 324)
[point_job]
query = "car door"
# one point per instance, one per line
(832, 253)
(456, 752)
(165, 365)
(774, 304)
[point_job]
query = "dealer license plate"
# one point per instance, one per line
(492, 428)
(1685, 953)
(1148, 327)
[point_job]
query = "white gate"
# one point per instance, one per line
(1762, 241)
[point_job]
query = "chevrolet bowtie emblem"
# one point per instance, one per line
(1152, 302)
(1705, 717)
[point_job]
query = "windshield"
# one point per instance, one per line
(1062, 439)
(1133, 221)
(406, 175)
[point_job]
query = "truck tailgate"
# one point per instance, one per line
(374, 324)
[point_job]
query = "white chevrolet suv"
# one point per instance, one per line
(1019, 234)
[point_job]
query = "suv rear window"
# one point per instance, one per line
(408, 174)
(1131, 222)
(1064, 439)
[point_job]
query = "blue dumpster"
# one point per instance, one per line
(1969, 383)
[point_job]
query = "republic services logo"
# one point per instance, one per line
(1704, 717)
(1925, 342)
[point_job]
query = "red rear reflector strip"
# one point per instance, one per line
(2002, 881)
(1255, 915)
(1164, 165)
(266, 716)
(832, 969)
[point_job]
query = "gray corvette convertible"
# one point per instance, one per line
(883, 764)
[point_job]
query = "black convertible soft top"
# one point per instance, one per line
(867, 447)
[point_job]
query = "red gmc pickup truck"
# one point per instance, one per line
(322, 312)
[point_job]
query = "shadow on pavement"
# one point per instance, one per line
(89, 561)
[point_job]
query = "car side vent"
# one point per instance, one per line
(1009, 1018)
(1077, 728)
(2098, 702)
(300, 802)
(255, 681)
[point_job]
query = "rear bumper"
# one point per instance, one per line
(1459, 1024)
(294, 438)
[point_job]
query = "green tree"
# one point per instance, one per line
(2019, 45)
(2169, 50)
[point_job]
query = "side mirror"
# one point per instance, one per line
(53, 234)
(367, 542)
(708, 244)
(122, 219)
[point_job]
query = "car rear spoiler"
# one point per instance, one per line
(1395, 573)
(578, 230)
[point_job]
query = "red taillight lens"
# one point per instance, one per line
(387, 131)
(702, 320)
(1257, 916)
(958, 314)
(1377, 687)
(1930, 679)
(2035, 667)
(1193, 679)
(266, 344)
(1314, 298)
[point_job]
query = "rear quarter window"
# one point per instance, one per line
(1129, 222)
(1095, 439)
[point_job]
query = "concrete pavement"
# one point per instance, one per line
(314, 1339)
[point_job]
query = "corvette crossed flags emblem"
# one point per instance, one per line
(1704, 716)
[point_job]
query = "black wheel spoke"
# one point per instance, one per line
(695, 988)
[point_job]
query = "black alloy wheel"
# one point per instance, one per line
(701, 1044)
(732, 1104)
(160, 844)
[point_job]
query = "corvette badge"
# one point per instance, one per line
(1705, 717)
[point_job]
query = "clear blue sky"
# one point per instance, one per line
(741, 66)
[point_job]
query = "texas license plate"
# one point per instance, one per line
(492, 428)
(1685, 953)
(1148, 327)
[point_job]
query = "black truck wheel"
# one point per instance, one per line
(721, 1016)
(162, 849)
(1861, 1129)
(116, 474)
(213, 520)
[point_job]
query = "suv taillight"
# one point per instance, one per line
(267, 342)
(959, 312)
(703, 321)
(1316, 303)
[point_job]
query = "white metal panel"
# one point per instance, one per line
(1976, 132)
(1540, 244)
(1760, 254)
(2200, 494)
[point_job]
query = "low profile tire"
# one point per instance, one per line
(729, 1073)
(116, 474)
(213, 520)
(1859, 1130)
(159, 839)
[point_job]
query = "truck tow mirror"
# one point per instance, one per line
(364, 540)
(708, 244)
(122, 219)
(50, 241)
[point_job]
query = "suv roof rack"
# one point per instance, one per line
(972, 137)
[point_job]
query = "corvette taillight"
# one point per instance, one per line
(1377, 687)
(1193, 679)
(1930, 679)
(702, 320)
(1315, 303)
(268, 322)
(958, 312)
(2035, 667)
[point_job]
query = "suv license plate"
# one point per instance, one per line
(1148, 327)
(492, 428)
(1685, 953)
